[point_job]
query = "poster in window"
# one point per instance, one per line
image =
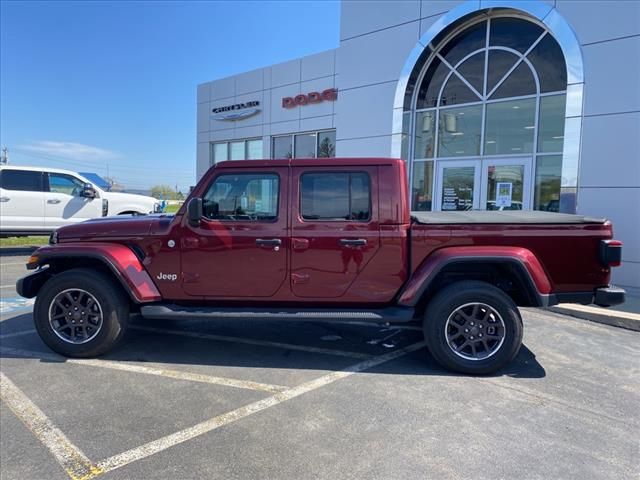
(504, 191)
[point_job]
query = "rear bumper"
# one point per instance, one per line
(604, 297)
(609, 296)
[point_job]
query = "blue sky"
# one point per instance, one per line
(94, 85)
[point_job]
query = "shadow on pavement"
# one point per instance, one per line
(170, 349)
(17, 251)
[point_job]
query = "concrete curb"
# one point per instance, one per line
(615, 318)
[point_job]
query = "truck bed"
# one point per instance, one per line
(501, 217)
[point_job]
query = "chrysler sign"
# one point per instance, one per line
(239, 111)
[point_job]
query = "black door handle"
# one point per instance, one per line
(270, 242)
(357, 242)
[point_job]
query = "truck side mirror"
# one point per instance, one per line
(194, 211)
(88, 191)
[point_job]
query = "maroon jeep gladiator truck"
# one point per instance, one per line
(320, 239)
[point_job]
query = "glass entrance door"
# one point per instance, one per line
(458, 184)
(489, 184)
(506, 184)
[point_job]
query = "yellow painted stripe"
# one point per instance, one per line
(72, 459)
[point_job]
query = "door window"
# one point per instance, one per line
(458, 188)
(335, 196)
(21, 180)
(243, 197)
(60, 183)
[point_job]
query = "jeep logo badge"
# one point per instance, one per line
(172, 277)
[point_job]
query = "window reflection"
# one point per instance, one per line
(513, 33)
(551, 128)
(467, 41)
(281, 147)
(547, 191)
(335, 196)
(520, 82)
(242, 197)
(327, 144)
(499, 64)
(305, 145)
(548, 61)
(422, 186)
(425, 134)
(510, 127)
(459, 131)
(430, 87)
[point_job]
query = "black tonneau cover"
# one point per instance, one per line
(508, 216)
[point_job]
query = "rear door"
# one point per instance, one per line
(335, 230)
(240, 248)
(63, 201)
(21, 200)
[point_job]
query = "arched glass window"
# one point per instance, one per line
(492, 90)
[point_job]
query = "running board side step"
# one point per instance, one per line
(383, 315)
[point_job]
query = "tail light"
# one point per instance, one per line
(611, 252)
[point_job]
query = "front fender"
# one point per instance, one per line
(523, 259)
(120, 260)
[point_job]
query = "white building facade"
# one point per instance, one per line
(493, 105)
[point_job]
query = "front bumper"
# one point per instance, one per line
(609, 296)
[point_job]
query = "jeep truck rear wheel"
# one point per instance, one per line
(473, 327)
(81, 313)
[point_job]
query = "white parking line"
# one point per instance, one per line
(16, 334)
(250, 341)
(8, 286)
(72, 459)
(169, 441)
(148, 370)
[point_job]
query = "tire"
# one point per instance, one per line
(496, 330)
(98, 324)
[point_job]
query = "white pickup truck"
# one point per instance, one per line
(38, 200)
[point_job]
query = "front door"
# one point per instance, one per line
(488, 184)
(63, 201)
(240, 247)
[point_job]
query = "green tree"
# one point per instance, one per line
(326, 149)
(165, 192)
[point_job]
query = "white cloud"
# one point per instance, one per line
(70, 150)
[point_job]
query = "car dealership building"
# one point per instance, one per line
(493, 105)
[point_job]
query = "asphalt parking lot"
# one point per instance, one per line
(238, 399)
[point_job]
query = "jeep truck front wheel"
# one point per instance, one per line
(473, 327)
(81, 313)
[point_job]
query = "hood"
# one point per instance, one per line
(128, 197)
(121, 226)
